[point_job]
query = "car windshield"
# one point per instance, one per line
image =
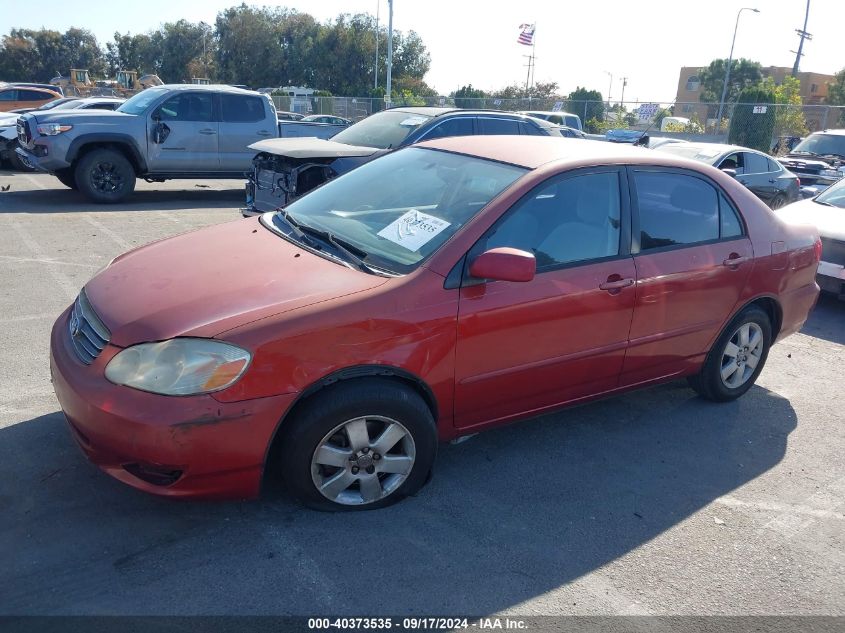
(702, 154)
(382, 130)
(141, 101)
(400, 208)
(833, 195)
(822, 144)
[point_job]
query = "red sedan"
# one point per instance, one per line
(437, 291)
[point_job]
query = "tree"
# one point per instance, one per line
(744, 73)
(468, 97)
(749, 128)
(180, 43)
(27, 54)
(588, 104)
(789, 113)
(132, 52)
(836, 95)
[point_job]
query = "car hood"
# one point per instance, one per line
(212, 280)
(76, 117)
(308, 147)
(830, 221)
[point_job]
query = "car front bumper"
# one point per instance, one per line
(831, 278)
(191, 446)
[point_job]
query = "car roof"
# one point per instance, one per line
(208, 88)
(721, 148)
(833, 132)
(100, 99)
(547, 112)
(34, 88)
(532, 151)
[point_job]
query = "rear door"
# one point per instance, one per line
(757, 177)
(244, 120)
(182, 134)
(692, 258)
(524, 347)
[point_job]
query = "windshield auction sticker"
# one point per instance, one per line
(413, 230)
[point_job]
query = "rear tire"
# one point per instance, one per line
(778, 201)
(67, 178)
(357, 445)
(736, 358)
(105, 176)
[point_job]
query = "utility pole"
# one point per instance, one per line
(609, 88)
(622, 100)
(804, 36)
(378, 7)
(389, 48)
(730, 63)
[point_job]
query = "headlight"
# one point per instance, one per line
(53, 129)
(179, 367)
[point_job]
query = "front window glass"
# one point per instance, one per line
(188, 106)
(383, 130)
(400, 208)
(570, 220)
(141, 101)
(835, 195)
(822, 144)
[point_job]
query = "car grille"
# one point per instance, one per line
(833, 251)
(24, 133)
(88, 334)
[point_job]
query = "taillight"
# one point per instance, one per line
(817, 249)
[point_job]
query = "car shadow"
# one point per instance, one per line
(509, 515)
(60, 199)
(827, 320)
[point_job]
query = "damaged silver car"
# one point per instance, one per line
(286, 168)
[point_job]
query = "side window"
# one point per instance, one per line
(9, 95)
(34, 95)
(773, 166)
(458, 126)
(564, 221)
(242, 108)
(729, 224)
(675, 209)
(734, 161)
(529, 129)
(189, 106)
(755, 163)
(489, 125)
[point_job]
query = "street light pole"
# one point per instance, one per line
(728, 71)
(389, 48)
(609, 87)
(378, 7)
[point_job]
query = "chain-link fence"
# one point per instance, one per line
(768, 127)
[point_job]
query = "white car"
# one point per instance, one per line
(827, 212)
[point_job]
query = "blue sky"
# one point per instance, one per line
(578, 43)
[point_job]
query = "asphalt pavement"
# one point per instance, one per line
(654, 502)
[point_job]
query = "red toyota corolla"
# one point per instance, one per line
(434, 292)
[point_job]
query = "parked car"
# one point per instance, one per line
(818, 160)
(23, 84)
(762, 174)
(826, 212)
(434, 292)
(8, 124)
(284, 169)
(558, 118)
(13, 97)
(327, 118)
(162, 133)
(283, 115)
(570, 132)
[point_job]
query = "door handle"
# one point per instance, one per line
(616, 284)
(733, 262)
(772, 180)
(264, 133)
(208, 131)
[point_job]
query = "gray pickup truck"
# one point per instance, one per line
(162, 133)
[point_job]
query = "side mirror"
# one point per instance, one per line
(504, 264)
(160, 133)
(730, 172)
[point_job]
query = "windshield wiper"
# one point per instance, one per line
(296, 228)
(350, 252)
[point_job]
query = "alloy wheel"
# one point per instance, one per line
(741, 355)
(363, 460)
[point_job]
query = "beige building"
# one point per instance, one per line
(813, 92)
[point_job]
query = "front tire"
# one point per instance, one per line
(16, 162)
(105, 176)
(736, 358)
(358, 445)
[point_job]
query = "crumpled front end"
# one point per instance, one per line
(276, 181)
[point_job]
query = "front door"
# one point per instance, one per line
(523, 347)
(692, 258)
(183, 134)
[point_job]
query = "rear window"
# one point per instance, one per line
(490, 125)
(242, 108)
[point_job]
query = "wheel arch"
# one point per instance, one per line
(358, 372)
(120, 142)
(771, 306)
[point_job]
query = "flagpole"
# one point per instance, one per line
(533, 57)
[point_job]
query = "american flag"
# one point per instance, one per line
(526, 35)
